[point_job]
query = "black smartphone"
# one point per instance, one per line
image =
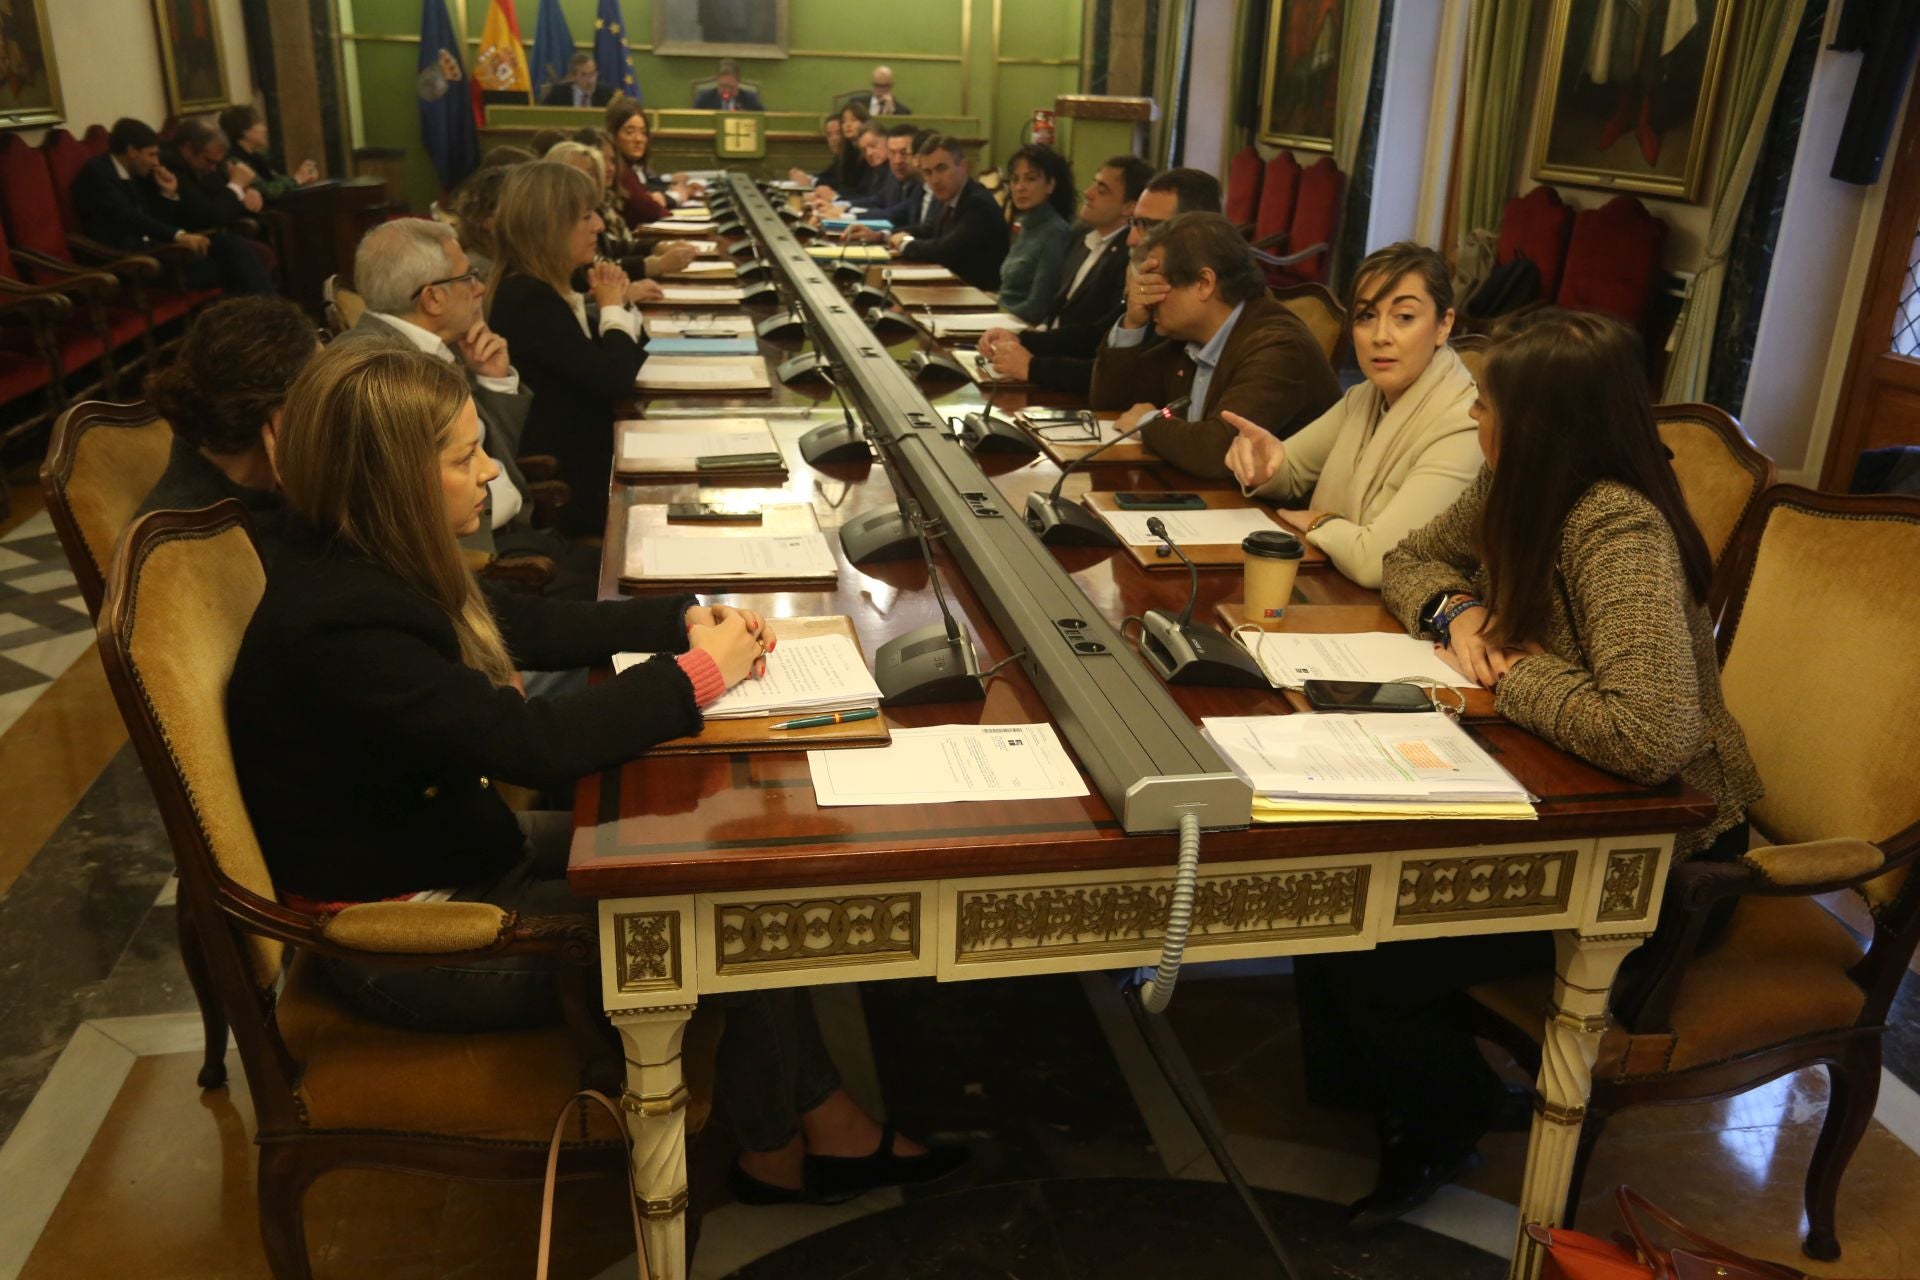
(686, 512)
(1160, 502)
(1364, 695)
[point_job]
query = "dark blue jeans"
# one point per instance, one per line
(773, 1066)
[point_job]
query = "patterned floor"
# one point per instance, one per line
(43, 621)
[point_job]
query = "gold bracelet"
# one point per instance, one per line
(1323, 518)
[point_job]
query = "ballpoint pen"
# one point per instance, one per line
(838, 717)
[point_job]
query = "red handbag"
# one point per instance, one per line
(1572, 1255)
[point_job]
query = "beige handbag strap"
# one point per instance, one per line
(553, 1176)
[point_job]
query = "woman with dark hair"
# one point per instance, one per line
(578, 368)
(1041, 202)
(644, 196)
(247, 133)
(472, 209)
(1571, 581)
(223, 396)
(1393, 452)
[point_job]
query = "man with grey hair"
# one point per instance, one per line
(879, 99)
(420, 288)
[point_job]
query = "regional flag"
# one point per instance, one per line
(552, 48)
(610, 50)
(446, 113)
(500, 67)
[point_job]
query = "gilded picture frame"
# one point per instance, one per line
(720, 28)
(1628, 94)
(29, 75)
(1300, 81)
(193, 61)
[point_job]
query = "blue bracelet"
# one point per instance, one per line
(1445, 625)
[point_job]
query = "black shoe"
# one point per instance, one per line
(1408, 1179)
(748, 1189)
(831, 1179)
(1514, 1112)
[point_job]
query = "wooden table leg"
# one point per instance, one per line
(656, 1102)
(1584, 970)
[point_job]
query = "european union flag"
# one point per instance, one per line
(610, 50)
(446, 103)
(552, 48)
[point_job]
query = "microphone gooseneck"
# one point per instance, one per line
(919, 523)
(1158, 528)
(1053, 494)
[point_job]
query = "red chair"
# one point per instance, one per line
(1273, 220)
(1537, 225)
(1613, 261)
(95, 140)
(30, 357)
(1316, 218)
(1243, 188)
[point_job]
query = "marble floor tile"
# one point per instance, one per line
(54, 751)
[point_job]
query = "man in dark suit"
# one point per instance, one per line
(726, 93)
(1228, 347)
(581, 88)
(214, 190)
(1058, 353)
(904, 200)
(964, 230)
(867, 182)
(879, 101)
(129, 200)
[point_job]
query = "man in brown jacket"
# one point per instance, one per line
(1230, 347)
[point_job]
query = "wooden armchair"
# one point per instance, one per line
(1721, 473)
(101, 463)
(1472, 349)
(1319, 310)
(1828, 717)
(331, 1089)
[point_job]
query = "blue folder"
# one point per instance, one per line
(703, 347)
(844, 224)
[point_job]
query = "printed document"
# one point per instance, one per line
(686, 440)
(1291, 657)
(802, 556)
(921, 273)
(949, 763)
(1380, 756)
(703, 373)
(1212, 527)
(806, 676)
(684, 326)
(711, 295)
(974, 323)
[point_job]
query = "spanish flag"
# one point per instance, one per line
(500, 66)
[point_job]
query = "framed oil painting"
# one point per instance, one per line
(1300, 91)
(190, 55)
(1627, 94)
(720, 28)
(29, 80)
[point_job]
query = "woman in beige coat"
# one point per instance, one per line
(1395, 451)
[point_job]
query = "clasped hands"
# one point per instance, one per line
(738, 640)
(1469, 652)
(1006, 354)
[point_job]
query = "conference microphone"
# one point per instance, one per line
(841, 441)
(934, 663)
(1068, 523)
(1187, 654)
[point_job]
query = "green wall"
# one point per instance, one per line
(834, 44)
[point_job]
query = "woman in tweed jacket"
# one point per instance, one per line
(1570, 579)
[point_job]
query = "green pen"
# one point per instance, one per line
(838, 717)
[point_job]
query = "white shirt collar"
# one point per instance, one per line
(421, 338)
(119, 168)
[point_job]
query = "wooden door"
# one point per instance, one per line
(1880, 400)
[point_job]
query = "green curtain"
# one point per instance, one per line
(1755, 62)
(1497, 32)
(1359, 34)
(1167, 89)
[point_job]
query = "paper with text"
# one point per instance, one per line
(974, 323)
(1290, 657)
(775, 559)
(672, 326)
(810, 675)
(715, 295)
(1213, 527)
(949, 763)
(703, 373)
(678, 444)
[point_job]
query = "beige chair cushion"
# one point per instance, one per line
(114, 469)
(1717, 488)
(416, 928)
(191, 607)
(1474, 358)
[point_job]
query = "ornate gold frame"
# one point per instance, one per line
(177, 105)
(705, 49)
(56, 111)
(1687, 187)
(1271, 63)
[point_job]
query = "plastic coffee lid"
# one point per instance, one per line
(1273, 543)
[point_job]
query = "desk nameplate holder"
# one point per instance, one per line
(1141, 750)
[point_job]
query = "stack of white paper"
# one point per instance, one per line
(920, 273)
(678, 227)
(975, 323)
(679, 442)
(660, 325)
(704, 373)
(1216, 526)
(813, 675)
(1325, 768)
(720, 267)
(804, 556)
(690, 213)
(1291, 657)
(948, 763)
(702, 295)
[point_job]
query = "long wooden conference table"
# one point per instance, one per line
(717, 872)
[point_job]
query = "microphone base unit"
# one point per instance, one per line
(808, 366)
(835, 442)
(927, 665)
(988, 432)
(934, 363)
(760, 295)
(884, 320)
(751, 272)
(744, 249)
(849, 272)
(867, 296)
(784, 325)
(731, 227)
(1063, 522)
(1191, 654)
(803, 232)
(879, 536)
